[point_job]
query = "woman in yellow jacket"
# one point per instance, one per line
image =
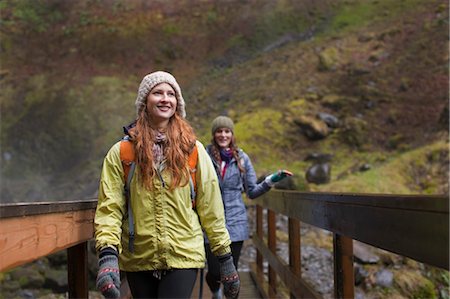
(168, 248)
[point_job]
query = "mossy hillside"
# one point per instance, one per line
(274, 79)
(261, 135)
(396, 174)
(271, 79)
(354, 14)
(184, 36)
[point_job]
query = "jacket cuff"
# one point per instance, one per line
(224, 257)
(223, 251)
(108, 251)
(268, 180)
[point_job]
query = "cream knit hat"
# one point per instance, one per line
(153, 79)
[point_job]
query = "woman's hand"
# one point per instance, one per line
(277, 176)
(229, 276)
(108, 277)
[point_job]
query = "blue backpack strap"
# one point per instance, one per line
(193, 195)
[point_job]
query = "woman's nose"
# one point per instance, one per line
(165, 97)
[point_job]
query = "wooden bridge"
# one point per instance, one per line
(413, 226)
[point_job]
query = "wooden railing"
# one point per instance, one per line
(413, 226)
(29, 231)
(406, 225)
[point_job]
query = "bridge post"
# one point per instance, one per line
(272, 243)
(343, 267)
(77, 271)
(259, 233)
(295, 262)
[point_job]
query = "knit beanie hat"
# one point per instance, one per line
(222, 122)
(153, 79)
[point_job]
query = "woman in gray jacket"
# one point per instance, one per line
(236, 175)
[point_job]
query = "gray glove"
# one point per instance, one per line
(229, 276)
(108, 277)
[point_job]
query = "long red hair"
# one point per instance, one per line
(180, 140)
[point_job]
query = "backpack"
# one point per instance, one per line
(128, 162)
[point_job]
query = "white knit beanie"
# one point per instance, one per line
(153, 79)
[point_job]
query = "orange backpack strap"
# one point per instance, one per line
(193, 159)
(127, 158)
(126, 155)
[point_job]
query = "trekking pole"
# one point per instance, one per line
(200, 291)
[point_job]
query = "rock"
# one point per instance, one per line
(360, 274)
(28, 277)
(331, 120)
(56, 280)
(319, 173)
(363, 254)
(365, 167)
(318, 157)
(384, 278)
(314, 129)
(328, 59)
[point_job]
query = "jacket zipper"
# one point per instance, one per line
(161, 178)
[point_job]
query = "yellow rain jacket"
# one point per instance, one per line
(168, 233)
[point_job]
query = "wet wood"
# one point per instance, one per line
(77, 271)
(298, 287)
(402, 224)
(295, 261)
(343, 267)
(272, 244)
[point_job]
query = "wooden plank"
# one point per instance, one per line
(77, 271)
(260, 234)
(295, 261)
(379, 220)
(36, 208)
(343, 267)
(299, 287)
(272, 244)
(25, 239)
(248, 287)
(259, 279)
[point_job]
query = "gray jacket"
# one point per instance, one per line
(232, 186)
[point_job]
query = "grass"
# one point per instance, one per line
(355, 14)
(393, 176)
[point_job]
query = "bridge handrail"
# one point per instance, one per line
(415, 226)
(29, 231)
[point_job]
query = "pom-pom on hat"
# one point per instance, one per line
(153, 79)
(222, 122)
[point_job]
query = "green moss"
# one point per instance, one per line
(355, 14)
(413, 284)
(258, 134)
(392, 176)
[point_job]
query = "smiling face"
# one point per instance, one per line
(223, 136)
(161, 104)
